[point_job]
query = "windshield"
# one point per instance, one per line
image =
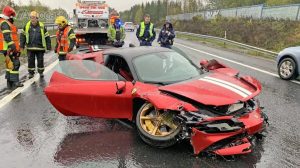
(165, 67)
(86, 70)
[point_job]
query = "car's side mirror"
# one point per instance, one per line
(204, 63)
(211, 65)
(120, 85)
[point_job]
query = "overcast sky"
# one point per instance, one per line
(68, 5)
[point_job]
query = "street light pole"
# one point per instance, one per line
(167, 6)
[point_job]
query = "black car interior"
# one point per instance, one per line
(119, 66)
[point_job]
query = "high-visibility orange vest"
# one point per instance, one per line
(64, 42)
(3, 44)
(14, 36)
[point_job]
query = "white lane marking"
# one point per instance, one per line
(225, 86)
(230, 84)
(27, 84)
(241, 64)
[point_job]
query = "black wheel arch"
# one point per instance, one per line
(137, 104)
(287, 56)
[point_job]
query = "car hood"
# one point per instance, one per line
(297, 48)
(290, 50)
(215, 89)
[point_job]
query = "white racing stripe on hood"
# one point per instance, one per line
(226, 87)
(231, 84)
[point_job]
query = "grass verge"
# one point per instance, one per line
(225, 45)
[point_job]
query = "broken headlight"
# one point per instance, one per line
(235, 107)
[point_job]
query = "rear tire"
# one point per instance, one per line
(163, 135)
(287, 69)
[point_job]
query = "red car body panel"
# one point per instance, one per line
(240, 149)
(222, 87)
(94, 56)
(227, 71)
(201, 140)
(212, 94)
(89, 98)
(253, 122)
(162, 101)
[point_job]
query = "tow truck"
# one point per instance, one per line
(91, 22)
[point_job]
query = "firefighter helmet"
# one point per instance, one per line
(61, 20)
(8, 12)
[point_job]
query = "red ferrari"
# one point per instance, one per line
(165, 95)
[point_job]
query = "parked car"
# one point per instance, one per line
(129, 26)
(167, 97)
(288, 63)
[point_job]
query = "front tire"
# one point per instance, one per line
(157, 128)
(287, 69)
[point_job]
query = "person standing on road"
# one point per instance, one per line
(116, 33)
(9, 47)
(145, 32)
(65, 38)
(166, 35)
(37, 40)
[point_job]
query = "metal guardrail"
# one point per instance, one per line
(229, 41)
(215, 38)
(287, 12)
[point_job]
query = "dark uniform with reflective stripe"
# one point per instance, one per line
(9, 50)
(37, 40)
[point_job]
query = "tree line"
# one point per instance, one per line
(159, 9)
(23, 11)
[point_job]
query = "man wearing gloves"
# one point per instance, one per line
(166, 35)
(116, 33)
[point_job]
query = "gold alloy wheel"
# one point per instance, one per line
(157, 123)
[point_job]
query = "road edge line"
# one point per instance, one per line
(235, 62)
(28, 83)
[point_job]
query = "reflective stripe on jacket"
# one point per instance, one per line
(3, 44)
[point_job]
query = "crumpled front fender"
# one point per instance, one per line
(162, 101)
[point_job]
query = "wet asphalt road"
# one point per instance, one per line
(34, 134)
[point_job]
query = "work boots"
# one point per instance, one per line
(31, 75)
(18, 84)
(13, 85)
(41, 75)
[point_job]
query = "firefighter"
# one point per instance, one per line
(166, 35)
(9, 47)
(37, 40)
(145, 33)
(65, 38)
(116, 33)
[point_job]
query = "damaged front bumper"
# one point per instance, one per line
(227, 135)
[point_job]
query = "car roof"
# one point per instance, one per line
(132, 52)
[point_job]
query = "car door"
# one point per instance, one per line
(86, 88)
